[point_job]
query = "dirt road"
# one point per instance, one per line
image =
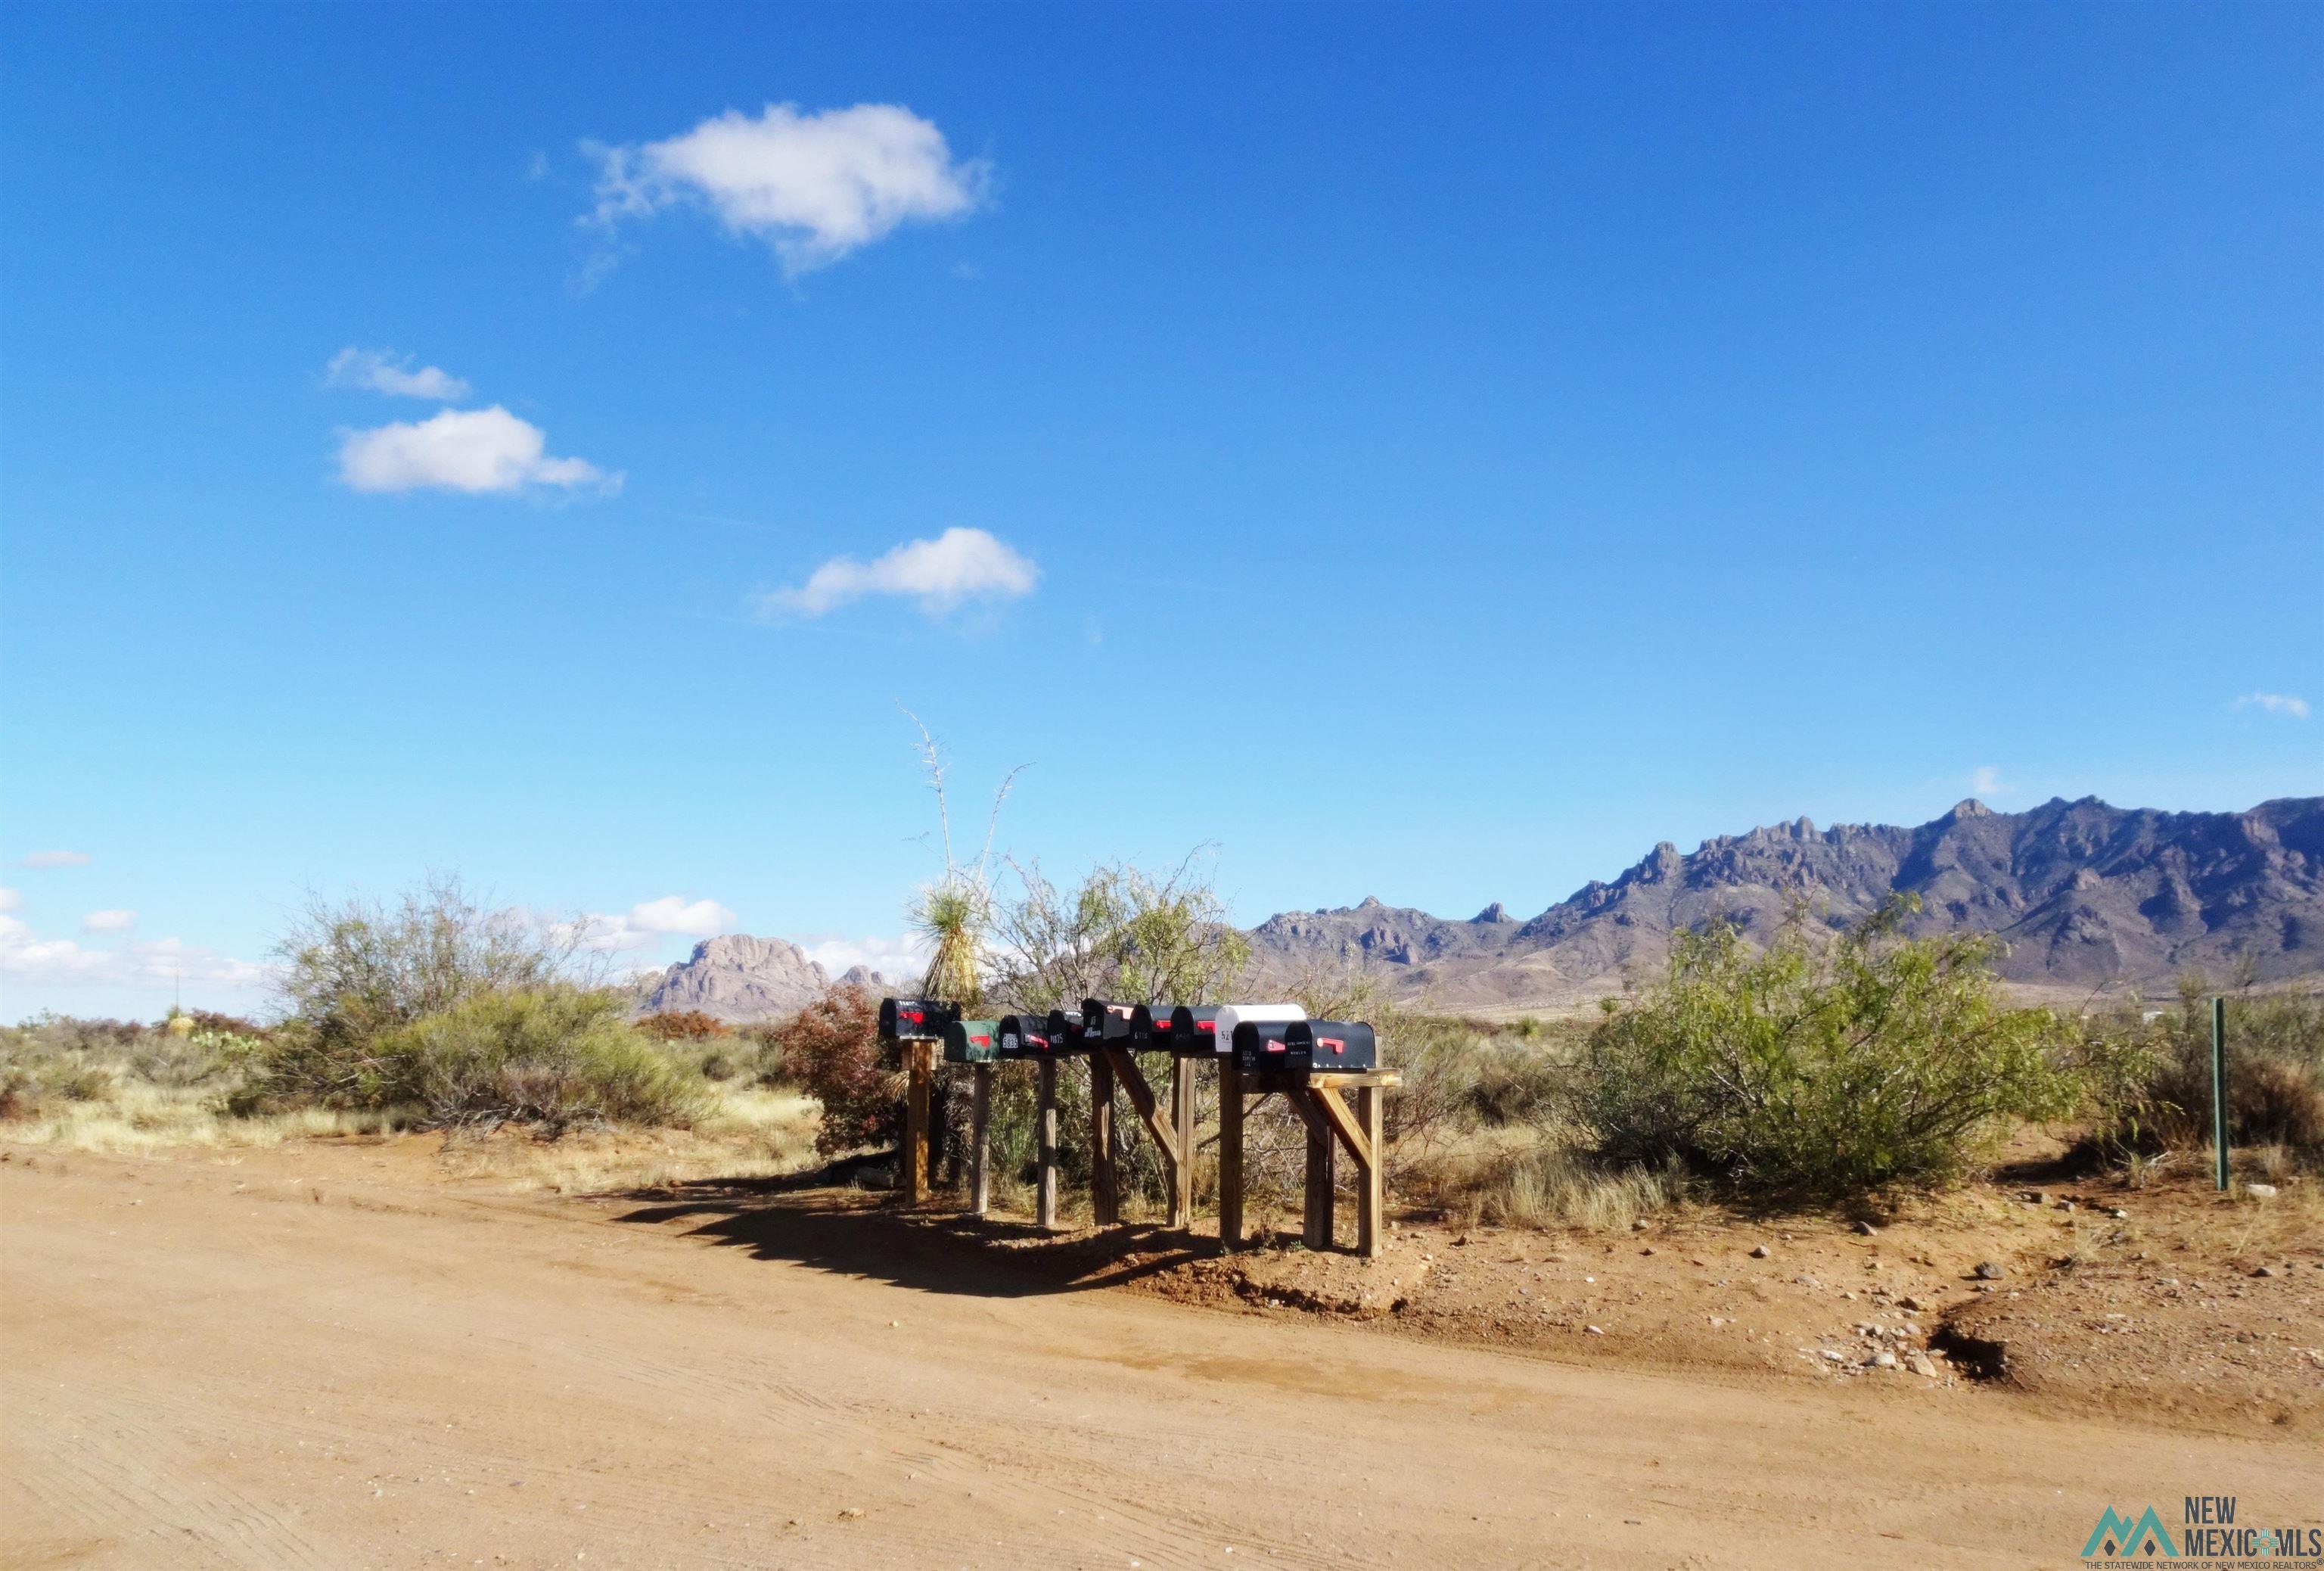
(322, 1357)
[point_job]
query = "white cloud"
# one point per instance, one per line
(960, 564)
(377, 371)
(814, 187)
(473, 450)
(2275, 704)
(1985, 780)
(56, 859)
(902, 959)
(10, 900)
(26, 957)
(108, 921)
(645, 925)
(673, 913)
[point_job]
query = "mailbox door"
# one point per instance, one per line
(972, 1041)
(1258, 1046)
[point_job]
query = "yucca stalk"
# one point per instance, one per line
(955, 913)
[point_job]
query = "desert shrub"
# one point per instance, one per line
(54, 1059)
(831, 1050)
(1821, 1067)
(2150, 1078)
(551, 1055)
(355, 969)
(684, 1025)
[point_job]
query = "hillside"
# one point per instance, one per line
(2085, 894)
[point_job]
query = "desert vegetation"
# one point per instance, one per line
(1816, 1068)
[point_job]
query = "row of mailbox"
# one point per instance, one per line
(1276, 1038)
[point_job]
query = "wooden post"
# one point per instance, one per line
(1371, 1191)
(1182, 1123)
(1047, 1212)
(1317, 1232)
(1105, 1194)
(1229, 1155)
(980, 1143)
(921, 1073)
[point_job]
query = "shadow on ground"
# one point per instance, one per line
(812, 1219)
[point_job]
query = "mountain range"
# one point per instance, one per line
(2085, 896)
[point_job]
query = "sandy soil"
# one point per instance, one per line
(333, 1356)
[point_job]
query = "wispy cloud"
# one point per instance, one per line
(379, 370)
(1984, 780)
(56, 859)
(2275, 704)
(116, 921)
(646, 924)
(26, 957)
(10, 900)
(902, 959)
(957, 566)
(476, 451)
(813, 186)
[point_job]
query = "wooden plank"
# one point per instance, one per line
(1343, 1123)
(980, 1143)
(1105, 1190)
(1316, 1229)
(1342, 1079)
(1229, 1155)
(1046, 1097)
(1182, 1124)
(1371, 1187)
(920, 1078)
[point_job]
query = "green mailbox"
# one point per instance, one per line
(973, 1042)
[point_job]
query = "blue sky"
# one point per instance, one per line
(1434, 452)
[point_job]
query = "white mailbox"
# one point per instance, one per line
(1234, 1014)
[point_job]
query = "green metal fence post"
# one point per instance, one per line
(2219, 1084)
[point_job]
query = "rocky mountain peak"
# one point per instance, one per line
(740, 978)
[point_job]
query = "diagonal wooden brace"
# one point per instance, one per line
(1150, 1111)
(1344, 1123)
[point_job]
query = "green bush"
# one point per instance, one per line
(2152, 1077)
(552, 1055)
(1821, 1067)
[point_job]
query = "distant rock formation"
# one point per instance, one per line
(2085, 895)
(739, 979)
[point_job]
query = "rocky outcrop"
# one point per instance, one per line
(739, 979)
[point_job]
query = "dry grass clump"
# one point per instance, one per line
(750, 1131)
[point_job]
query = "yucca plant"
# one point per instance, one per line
(954, 912)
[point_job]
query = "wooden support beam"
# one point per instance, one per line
(1046, 1097)
(1344, 1123)
(1316, 1231)
(980, 1143)
(1229, 1155)
(1150, 1112)
(920, 1078)
(1182, 1124)
(1105, 1187)
(1371, 1190)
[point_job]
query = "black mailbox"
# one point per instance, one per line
(1107, 1021)
(1024, 1036)
(1195, 1032)
(1259, 1045)
(1069, 1031)
(915, 1020)
(1323, 1046)
(972, 1041)
(1153, 1027)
